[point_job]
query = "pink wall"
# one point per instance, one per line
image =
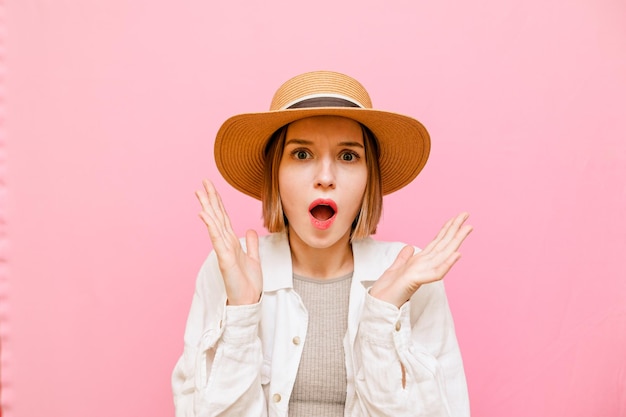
(107, 118)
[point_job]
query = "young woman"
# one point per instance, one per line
(317, 318)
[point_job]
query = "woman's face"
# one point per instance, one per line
(321, 178)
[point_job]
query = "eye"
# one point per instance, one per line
(301, 154)
(349, 156)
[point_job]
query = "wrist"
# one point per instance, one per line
(388, 295)
(243, 301)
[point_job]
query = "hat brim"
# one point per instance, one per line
(404, 144)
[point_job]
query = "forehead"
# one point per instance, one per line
(325, 127)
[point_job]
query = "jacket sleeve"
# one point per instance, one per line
(218, 373)
(407, 360)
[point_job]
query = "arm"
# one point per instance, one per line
(408, 361)
(218, 373)
(407, 358)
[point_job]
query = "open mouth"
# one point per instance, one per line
(323, 213)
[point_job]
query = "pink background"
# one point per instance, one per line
(107, 116)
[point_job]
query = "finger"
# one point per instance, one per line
(212, 204)
(208, 212)
(405, 254)
(442, 232)
(445, 267)
(207, 207)
(203, 199)
(252, 245)
(218, 206)
(211, 219)
(459, 238)
(215, 232)
(443, 253)
(225, 217)
(451, 232)
(213, 200)
(455, 242)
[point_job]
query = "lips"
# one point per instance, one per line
(322, 213)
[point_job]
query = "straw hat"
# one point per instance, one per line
(404, 143)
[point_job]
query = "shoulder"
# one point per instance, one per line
(275, 261)
(369, 249)
(373, 257)
(269, 243)
(371, 244)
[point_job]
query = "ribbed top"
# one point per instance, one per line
(321, 385)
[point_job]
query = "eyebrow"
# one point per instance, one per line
(310, 142)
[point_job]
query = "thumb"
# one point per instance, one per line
(403, 257)
(252, 244)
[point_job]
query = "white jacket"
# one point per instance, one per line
(242, 361)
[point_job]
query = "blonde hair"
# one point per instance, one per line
(369, 215)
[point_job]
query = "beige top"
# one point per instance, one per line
(320, 387)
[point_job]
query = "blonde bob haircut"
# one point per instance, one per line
(365, 222)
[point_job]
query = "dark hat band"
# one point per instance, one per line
(323, 102)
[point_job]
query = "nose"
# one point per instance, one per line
(325, 174)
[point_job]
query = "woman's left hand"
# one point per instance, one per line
(409, 271)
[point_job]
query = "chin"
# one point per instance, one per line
(323, 239)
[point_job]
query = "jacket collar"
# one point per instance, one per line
(277, 268)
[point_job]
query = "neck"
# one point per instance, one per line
(321, 263)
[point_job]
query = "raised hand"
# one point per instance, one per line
(409, 271)
(241, 271)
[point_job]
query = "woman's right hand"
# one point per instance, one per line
(241, 271)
